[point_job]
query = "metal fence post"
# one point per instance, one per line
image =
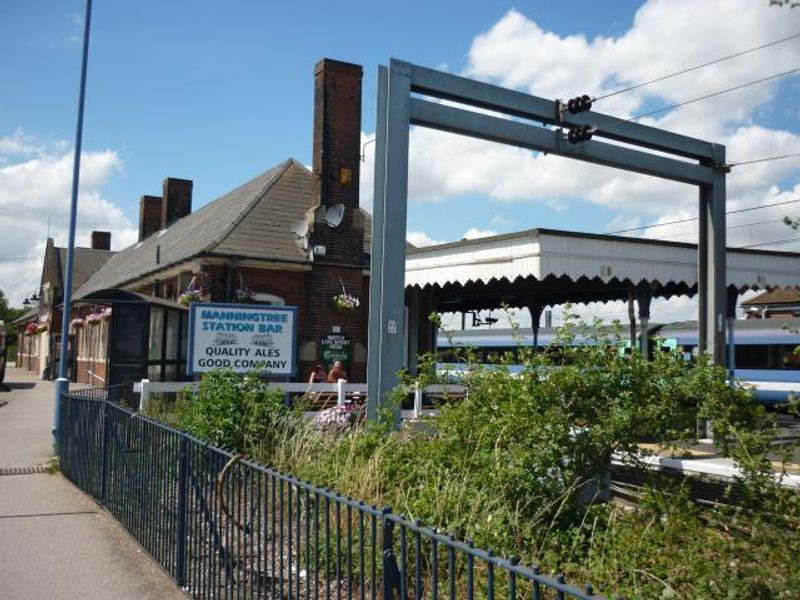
(391, 573)
(340, 395)
(104, 457)
(183, 490)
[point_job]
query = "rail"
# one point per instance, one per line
(227, 527)
(339, 393)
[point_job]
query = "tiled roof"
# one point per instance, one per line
(86, 262)
(253, 221)
(776, 296)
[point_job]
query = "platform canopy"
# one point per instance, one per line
(548, 267)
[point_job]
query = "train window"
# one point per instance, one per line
(788, 358)
(755, 356)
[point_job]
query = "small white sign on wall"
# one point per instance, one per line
(242, 337)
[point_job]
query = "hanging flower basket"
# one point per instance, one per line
(98, 315)
(244, 295)
(190, 295)
(31, 328)
(345, 302)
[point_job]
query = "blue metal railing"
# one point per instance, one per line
(226, 527)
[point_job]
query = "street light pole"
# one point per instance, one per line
(62, 383)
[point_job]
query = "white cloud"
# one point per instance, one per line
(474, 233)
(665, 36)
(420, 239)
(35, 186)
(516, 52)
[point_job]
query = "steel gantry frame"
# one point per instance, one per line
(412, 95)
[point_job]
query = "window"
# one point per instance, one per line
(755, 356)
(168, 341)
(156, 333)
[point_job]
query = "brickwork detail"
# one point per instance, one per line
(337, 159)
(177, 202)
(101, 240)
(149, 216)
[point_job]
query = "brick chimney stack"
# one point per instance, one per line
(337, 158)
(337, 131)
(149, 216)
(177, 200)
(101, 240)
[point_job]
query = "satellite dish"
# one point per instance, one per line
(334, 215)
(300, 229)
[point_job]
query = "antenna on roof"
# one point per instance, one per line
(300, 232)
(334, 215)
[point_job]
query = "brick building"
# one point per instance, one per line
(40, 327)
(774, 304)
(289, 236)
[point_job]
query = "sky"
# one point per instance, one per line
(220, 92)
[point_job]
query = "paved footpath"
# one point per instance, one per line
(56, 543)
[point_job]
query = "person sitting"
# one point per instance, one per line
(337, 372)
(318, 375)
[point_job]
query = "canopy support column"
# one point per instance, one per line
(643, 297)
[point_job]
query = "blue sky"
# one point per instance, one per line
(218, 93)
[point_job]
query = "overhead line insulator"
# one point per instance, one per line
(581, 133)
(579, 104)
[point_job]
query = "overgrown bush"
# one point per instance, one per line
(235, 412)
(509, 467)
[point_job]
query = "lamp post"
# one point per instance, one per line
(62, 384)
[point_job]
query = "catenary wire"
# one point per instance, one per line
(711, 95)
(786, 241)
(689, 219)
(739, 226)
(696, 67)
(761, 160)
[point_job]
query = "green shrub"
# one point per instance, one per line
(507, 466)
(231, 411)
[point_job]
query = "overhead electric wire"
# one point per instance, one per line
(711, 95)
(687, 220)
(739, 226)
(786, 241)
(694, 68)
(760, 160)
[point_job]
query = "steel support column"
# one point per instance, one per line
(711, 263)
(643, 297)
(414, 324)
(535, 308)
(387, 280)
(397, 110)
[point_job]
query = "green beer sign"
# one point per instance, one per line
(333, 347)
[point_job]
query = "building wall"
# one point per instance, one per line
(91, 344)
(28, 352)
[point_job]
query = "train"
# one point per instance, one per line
(765, 353)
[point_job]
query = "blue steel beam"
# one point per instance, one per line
(505, 131)
(492, 97)
(397, 110)
(712, 205)
(375, 330)
(387, 310)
